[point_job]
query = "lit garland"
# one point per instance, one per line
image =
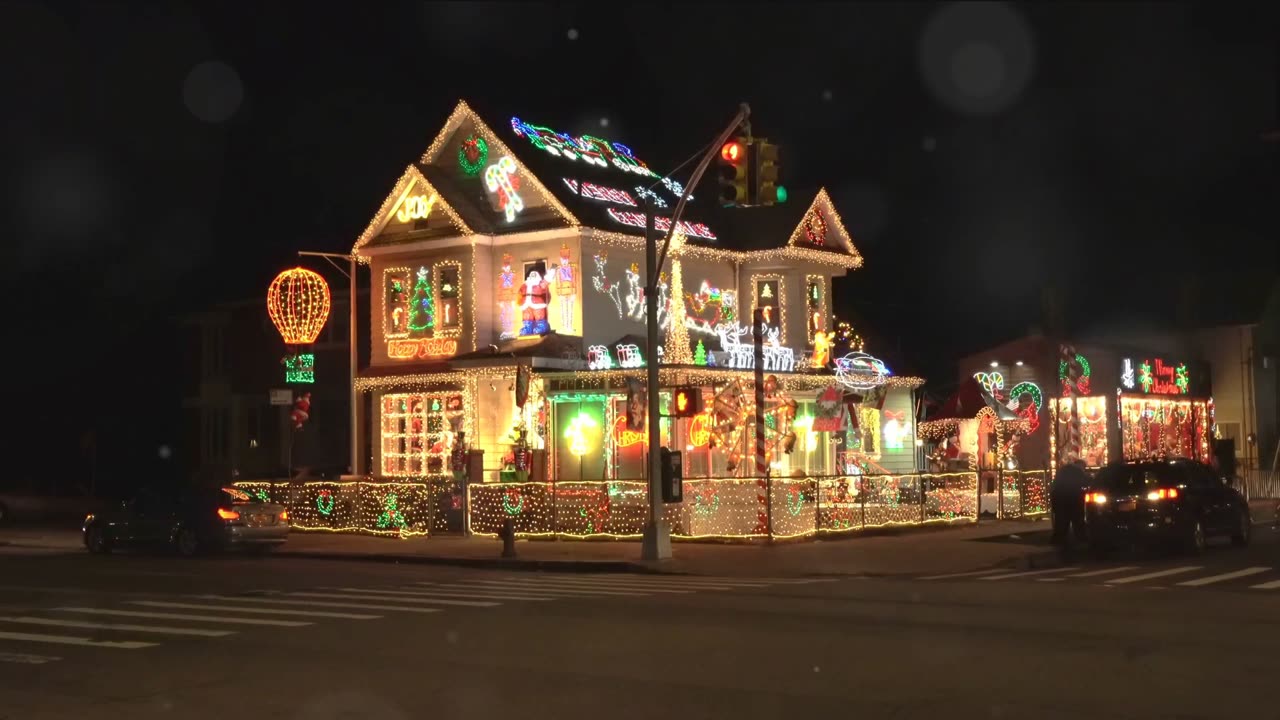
(786, 254)
(781, 300)
(396, 509)
(473, 155)
(298, 302)
(723, 508)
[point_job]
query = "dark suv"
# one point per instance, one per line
(1150, 502)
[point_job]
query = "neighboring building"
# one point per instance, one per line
(1141, 395)
(231, 429)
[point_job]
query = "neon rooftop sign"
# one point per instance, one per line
(591, 150)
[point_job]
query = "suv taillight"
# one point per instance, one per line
(1096, 498)
(1163, 494)
(226, 514)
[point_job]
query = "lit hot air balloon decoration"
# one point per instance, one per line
(298, 302)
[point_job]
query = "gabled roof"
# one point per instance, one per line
(583, 180)
(411, 178)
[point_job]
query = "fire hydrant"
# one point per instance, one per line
(508, 535)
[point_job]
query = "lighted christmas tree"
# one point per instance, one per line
(422, 311)
(676, 348)
(700, 354)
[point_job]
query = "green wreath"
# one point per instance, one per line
(473, 154)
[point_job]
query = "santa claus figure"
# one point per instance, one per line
(566, 288)
(534, 298)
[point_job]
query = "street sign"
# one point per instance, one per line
(281, 397)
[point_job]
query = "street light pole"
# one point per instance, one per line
(350, 272)
(656, 543)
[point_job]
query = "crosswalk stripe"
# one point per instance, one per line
(971, 573)
(117, 626)
(1051, 579)
(1153, 575)
(429, 601)
(26, 659)
(1028, 573)
(442, 593)
(1225, 576)
(641, 581)
(1273, 585)
(519, 587)
(184, 616)
(1107, 571)
(574, 585)
(322, 603)
(500, 591)
(70, 640)
(262, 611)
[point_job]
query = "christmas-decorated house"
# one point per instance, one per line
(508, 316)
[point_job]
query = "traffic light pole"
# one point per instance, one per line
(656, 544)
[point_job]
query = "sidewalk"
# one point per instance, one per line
(910, 551)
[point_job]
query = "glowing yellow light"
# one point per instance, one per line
(576, 433)
(416, 207)
(298, 302)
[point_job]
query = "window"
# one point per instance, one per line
(1231, 431)
(418, 430)
(449, 312)
(396, 297)
(768, 291)
(815, 321)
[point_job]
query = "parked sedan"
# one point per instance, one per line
(190, 522)
(1179, 501)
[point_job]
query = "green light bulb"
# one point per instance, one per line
(782, 194)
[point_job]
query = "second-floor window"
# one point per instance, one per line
(768, 293)
(449, 310)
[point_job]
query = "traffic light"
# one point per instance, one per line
(766, 187)
(687, 402)
(734, 162)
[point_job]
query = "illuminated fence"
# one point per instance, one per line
(712, 509)
(725, 508)
(402, 508)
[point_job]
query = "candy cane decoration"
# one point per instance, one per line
(1073, 376)
(501, 178)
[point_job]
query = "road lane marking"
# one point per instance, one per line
(429, 601)
(263, 611)
(70, 640)
(1225, 576)
(642, 582)
(502, 591)
(25, 659)
(1273, 585)
(1051, 579)
(442, 593)
(117, 626)
(1028, 573)
(184, 616)
(1149, 576)
(948, 576)
(512, 586)
(581, 585)
(1108, 571)
(321, 603)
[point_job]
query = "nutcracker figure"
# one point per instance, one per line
(535, 295)
(506, 296)
(566, 288)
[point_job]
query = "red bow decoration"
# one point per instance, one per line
(900, 416)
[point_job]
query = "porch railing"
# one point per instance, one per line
(1260, 484)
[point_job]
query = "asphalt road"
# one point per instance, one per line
(301, 639)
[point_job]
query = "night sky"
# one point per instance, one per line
(167, 156)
